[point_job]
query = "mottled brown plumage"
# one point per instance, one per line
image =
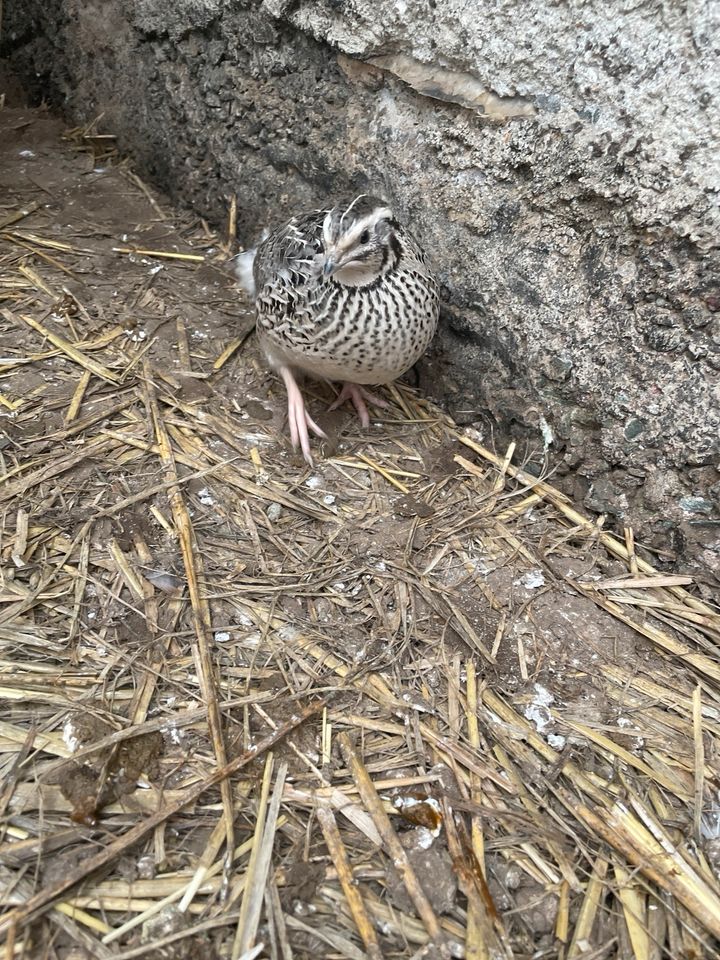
(344, 294)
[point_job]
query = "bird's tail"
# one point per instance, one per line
(243, 269)
(242, 265)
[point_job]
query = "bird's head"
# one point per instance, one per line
(360, 242)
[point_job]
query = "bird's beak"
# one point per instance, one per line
(328, 267)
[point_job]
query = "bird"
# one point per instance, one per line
(343, 294)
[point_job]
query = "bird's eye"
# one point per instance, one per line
(365, 236)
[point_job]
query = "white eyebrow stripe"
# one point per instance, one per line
(327, 236)
(380, 213)
(349, 238)
(358, 197)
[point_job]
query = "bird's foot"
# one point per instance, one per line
(359, 397)
(298, 417)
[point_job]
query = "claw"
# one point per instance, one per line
(359, 396)
(298, 417)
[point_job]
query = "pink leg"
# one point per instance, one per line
(359, 397)
(298, 417)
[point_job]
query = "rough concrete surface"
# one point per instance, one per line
(559, 163)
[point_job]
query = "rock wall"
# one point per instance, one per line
(559, 162)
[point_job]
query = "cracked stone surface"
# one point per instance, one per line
(559, 163)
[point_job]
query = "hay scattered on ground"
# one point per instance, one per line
(410, 702)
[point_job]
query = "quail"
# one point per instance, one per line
(342, 294)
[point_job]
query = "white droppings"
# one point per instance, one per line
(172, 732)
(70, 737)
(339, 586)
(546, 431)
(313, 482)
(407, 803)
(222, 637)
(273, 512)
(556, 740)
(624, 722)
(328, 499)
(424, 838)
(27, 154)
(530, 580)
(205, 497)
(156, 269)
(146, 867)
(381, 566)
(537, 712)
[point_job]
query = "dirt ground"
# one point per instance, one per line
(408, 702)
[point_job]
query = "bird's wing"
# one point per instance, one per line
(291, 254)
(416, 259)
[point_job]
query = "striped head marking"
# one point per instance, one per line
(359, 241)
